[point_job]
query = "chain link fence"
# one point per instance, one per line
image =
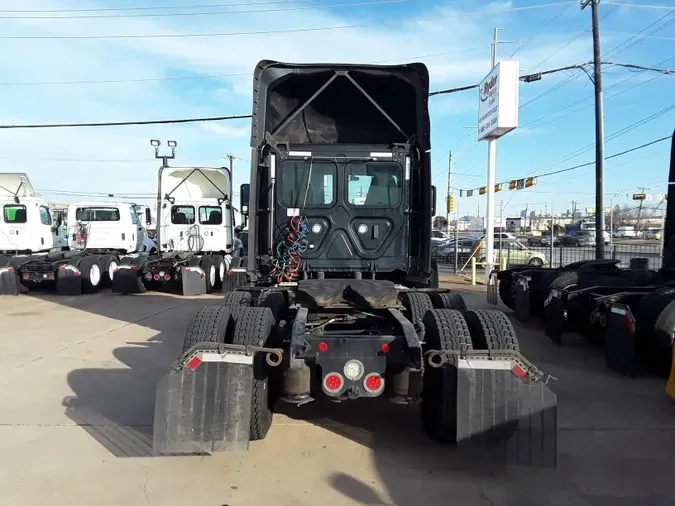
(453, 255)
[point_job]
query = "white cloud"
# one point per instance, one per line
(156, 58)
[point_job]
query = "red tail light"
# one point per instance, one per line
(333, 383)
(385, 348)
(322, 347)
(373, 383)
(167, 278)
(156, 277)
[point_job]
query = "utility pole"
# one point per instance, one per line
(447, 209)
(492, 155)
(231, 159)
(599, 133)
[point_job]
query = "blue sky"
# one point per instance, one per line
(60, 80)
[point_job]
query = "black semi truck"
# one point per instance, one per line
(341, 298)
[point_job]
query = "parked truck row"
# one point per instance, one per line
(88, 245)
(631, 312)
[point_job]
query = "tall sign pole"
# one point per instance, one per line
(449, 201)
(497, 115)
(492, 156)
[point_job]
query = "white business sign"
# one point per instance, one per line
(498, 101)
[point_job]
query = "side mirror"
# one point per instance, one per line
(148, 216)
(244, 191)
(433, 201)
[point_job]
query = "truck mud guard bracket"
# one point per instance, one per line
(126, 279)
(193, 281)
(620, 351)
(555, 315)
(523, 299)
(204, 403)
(504, 406)
(68, 280)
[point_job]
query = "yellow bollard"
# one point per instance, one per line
(473, 271)
(670, 386)
(504, 263)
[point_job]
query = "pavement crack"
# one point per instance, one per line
(145, 486)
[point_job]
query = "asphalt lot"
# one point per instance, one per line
(77, 381)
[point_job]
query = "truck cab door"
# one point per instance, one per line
(138, 234)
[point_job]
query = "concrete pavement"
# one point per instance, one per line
(77, 381)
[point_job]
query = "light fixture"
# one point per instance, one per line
(154, 143)
(172, 144)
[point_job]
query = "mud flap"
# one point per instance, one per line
(68, 280)
(523, 299)
(193, 281)
(493, 288)
(502, 409)
(620, 350)
(555, 316)
(126, 280)
(9, 281)
(204, 410)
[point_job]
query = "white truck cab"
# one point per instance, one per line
(112, 226)
(26, 225)
(195, 214)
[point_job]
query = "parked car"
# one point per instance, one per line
(625, 232)
(542, 240)
(514, 252)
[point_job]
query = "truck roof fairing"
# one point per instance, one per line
(323, 103)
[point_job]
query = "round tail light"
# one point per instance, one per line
(373, 383)
(333, 383)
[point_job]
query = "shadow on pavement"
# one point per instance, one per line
(599, 465)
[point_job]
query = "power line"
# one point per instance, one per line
(541, 29)
(587, 164)
(127, 123)
(211, 13)
(213, 76)
(148, 8)
(644, 6)
(281, 31)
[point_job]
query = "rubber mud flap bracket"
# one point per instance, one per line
(503, 410)
(555, 318)
(68, 281)
(194, 281)
(620, 352)
(204, 410)
(9, 281)
(126, 280)
(523, 299)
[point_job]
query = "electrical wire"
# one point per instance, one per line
(280, 31)
(541, 29)
(288, 260)
(148, 8)
(643, 6)
(211, 13)
(212, 76)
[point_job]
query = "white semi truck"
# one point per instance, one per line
(194, 232)
(98, 235)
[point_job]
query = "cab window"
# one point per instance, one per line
(182, 215)
(210, 215)
(307, 183)
(14, 213)
(374, 184)
(97, 214)
(45, 216)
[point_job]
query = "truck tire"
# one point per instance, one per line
(660, 345)
(448, 300)
(274, 300)
(91, 274)
(4, 260)
(236, 301)
(416, 304)
(446, 329)
(210, 324)
(206, 264)
(491, 330)
(221, 271)
(564, 280)
(108, 265)
(254, 328)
